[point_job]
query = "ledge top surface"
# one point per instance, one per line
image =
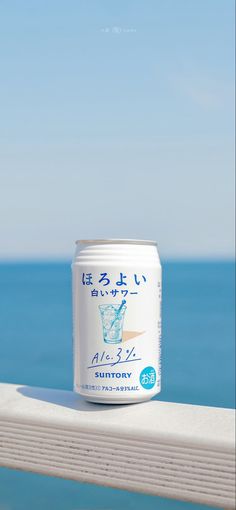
(180, 424)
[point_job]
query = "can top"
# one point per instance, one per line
(116, 241)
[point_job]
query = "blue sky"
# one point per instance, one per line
(117, 121)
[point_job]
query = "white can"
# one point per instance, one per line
(117, 320)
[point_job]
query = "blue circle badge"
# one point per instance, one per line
(148, 378)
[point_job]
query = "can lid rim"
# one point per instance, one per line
(116, 241)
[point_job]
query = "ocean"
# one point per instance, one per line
(36, 349)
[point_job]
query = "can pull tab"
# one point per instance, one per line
(117, 312)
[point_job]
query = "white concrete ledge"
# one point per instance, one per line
(171, 450)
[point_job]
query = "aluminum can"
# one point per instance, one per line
(116, 320)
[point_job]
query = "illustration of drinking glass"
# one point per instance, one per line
(112, 322)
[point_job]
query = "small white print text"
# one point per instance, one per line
(118, 30)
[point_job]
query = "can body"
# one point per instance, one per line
(116, 320)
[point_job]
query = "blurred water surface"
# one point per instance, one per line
(36, 349)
